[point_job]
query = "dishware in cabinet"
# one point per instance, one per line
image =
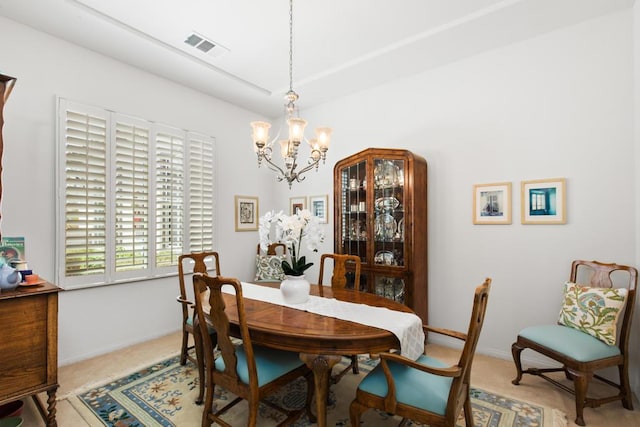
(380, 197)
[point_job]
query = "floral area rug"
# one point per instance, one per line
(163, 394)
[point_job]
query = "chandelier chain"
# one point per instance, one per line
(290, 45)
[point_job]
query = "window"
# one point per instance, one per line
(134, 195)
(538, 201)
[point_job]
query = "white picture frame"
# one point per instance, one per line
(319, 207)
(492, 203)
(246, 213)
(543, 201)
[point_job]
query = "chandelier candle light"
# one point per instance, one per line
(289, 147)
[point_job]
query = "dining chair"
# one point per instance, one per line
(249, 371)
(269, 265)
(426, 390)
(200, 261)
(592, 333)
(342, 278)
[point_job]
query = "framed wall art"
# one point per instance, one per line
(296, 204)
(543, 201)
(319, 206)
(246, 213)
(492, 203)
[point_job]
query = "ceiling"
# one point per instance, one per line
(340, 46)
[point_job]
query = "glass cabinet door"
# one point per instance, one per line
(388, 237)
(353, 209)
(388, 193)
(392, 288)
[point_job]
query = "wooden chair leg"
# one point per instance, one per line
(468, 412)
(253, 413)
(581, 384)
(625, 388)
(515, 352)
(355, 410)
(208, 406)
(184, 348)
(197, 339)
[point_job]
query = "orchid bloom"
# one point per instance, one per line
(291, 230)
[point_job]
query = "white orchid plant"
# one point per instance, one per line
(291, 230)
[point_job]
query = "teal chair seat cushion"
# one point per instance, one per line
(570, 342)
(190, 322)
(270, 363)
(416, 388)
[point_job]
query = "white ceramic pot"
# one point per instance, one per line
(295, 289)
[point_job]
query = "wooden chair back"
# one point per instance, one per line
(342, 263)
(601, 275)
(460, 373)
(219, 320)
(461, 387)
(274, 249)
(253, 391)
(199, 260)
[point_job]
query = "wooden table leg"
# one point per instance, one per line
(321, 366)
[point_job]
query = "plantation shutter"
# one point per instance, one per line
(201, 163)
(131, 194)
(85, 201)
(169, 170)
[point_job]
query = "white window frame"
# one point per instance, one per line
(192, 220)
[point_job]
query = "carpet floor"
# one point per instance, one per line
(489, 373)
(163, 394)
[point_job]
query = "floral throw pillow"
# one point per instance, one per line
(594, 311)
(269, 268)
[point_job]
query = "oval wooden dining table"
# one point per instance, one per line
(320, 340)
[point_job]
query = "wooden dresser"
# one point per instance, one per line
(29, 346)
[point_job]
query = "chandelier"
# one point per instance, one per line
(289, 147)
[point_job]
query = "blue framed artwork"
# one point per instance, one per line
(543, 201)
(319, 206)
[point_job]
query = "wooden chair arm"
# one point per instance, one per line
(448, 332)
(451, 371)
(183, 301)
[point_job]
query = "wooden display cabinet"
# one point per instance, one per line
(380, 204)
(29, 346)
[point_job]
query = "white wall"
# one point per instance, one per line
(635, 349)
(559, 105)
(98, 320)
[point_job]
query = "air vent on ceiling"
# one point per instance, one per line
(205, 45)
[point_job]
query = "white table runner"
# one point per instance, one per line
(406, 326)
